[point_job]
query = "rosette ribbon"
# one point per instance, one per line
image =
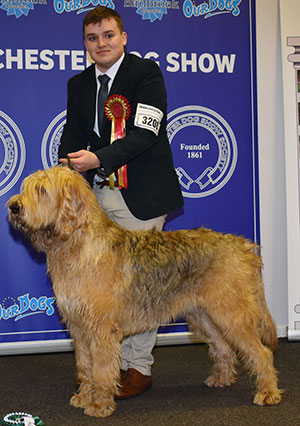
(117, 109)
(21, 419)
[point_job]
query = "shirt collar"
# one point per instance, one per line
(112, 71)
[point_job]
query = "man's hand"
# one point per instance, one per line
(82, 160)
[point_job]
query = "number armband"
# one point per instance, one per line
(148, 117)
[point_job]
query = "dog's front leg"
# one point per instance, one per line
(81, 345)
(105, 351)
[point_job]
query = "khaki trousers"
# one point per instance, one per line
(136, 349)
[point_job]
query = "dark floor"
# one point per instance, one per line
(43, 384)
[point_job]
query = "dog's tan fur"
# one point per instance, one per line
(110, 282)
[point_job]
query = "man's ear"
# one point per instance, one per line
(124, 37)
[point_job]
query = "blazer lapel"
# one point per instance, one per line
(90, 88)
(120, 76)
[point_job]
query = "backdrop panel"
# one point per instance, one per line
(206, 51)
(290, 42)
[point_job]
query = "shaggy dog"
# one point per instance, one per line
(110, 282)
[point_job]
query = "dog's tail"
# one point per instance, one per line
(267, 327)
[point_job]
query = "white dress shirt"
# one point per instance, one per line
(111, 73)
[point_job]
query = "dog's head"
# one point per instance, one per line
(51, 206)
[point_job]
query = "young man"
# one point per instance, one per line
(152, 187)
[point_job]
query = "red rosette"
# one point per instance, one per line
(116, 107)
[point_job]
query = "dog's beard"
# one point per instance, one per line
(41, 238)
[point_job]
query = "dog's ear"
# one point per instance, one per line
(72, 209)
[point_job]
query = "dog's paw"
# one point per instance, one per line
(101, 409)
(79, 402)
(268, 398)
(217, 381)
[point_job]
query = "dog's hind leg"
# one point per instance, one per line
(260, 360)
(224, 358)
(105, 351)
(242, 333)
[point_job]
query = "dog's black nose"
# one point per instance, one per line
(15, 208)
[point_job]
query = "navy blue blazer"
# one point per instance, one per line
(153, 188)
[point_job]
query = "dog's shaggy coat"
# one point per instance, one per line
(110, 282)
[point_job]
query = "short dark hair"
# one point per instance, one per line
(96, 16)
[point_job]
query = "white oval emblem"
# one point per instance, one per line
(204, 148)
(12, 153)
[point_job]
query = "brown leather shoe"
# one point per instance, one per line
(134, 384)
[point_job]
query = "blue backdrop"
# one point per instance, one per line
(206, 51)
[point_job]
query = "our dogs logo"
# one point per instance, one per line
(80, 6)
(204, 148)
(51, 140)
(211, 8)
(12, 153)
(25, 306)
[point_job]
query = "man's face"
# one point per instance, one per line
(105, 43)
